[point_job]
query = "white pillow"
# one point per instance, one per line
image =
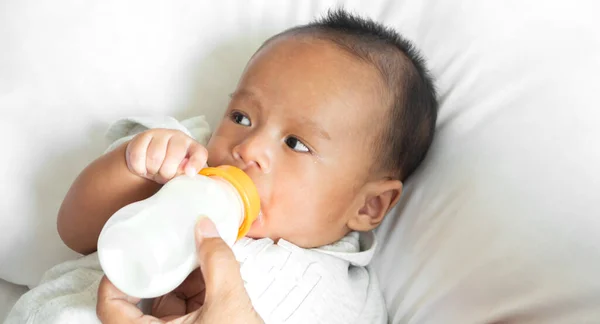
(500, 222)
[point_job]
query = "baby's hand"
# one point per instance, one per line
(162, 154)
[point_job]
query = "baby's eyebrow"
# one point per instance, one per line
(243, 93)
(315, 127)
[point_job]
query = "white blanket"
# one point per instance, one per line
(286, 284)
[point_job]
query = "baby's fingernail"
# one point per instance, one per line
(206, 228)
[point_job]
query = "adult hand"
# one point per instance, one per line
(225, 298)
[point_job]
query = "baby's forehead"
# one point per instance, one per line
(315, 80)
(372, 69)
(319, 63)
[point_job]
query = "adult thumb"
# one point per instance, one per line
(219, 267)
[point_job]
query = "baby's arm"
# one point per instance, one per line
(99, 191)
(132, 172)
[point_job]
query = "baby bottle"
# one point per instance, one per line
(148, 248)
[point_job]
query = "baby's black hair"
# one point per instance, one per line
(410, 127)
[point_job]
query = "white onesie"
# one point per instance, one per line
(286, 283)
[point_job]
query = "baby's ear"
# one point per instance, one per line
(377, 198)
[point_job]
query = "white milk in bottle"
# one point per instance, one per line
(147, 248)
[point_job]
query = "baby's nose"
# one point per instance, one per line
(252, 154)
(244, 164)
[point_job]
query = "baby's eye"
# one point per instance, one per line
(239, 118)
(296, 145)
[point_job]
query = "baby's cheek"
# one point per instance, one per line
(216, 154)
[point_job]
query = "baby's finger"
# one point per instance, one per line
(176, 152)
(198, 156)
(135, 154)
(157, 149)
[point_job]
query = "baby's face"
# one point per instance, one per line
(302, 123)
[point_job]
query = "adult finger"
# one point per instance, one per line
(220, 269)
(168, 306)
(192, 289)
(226, 299)
(116, 307)
(186, 298)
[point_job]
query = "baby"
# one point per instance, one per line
(328, 119)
